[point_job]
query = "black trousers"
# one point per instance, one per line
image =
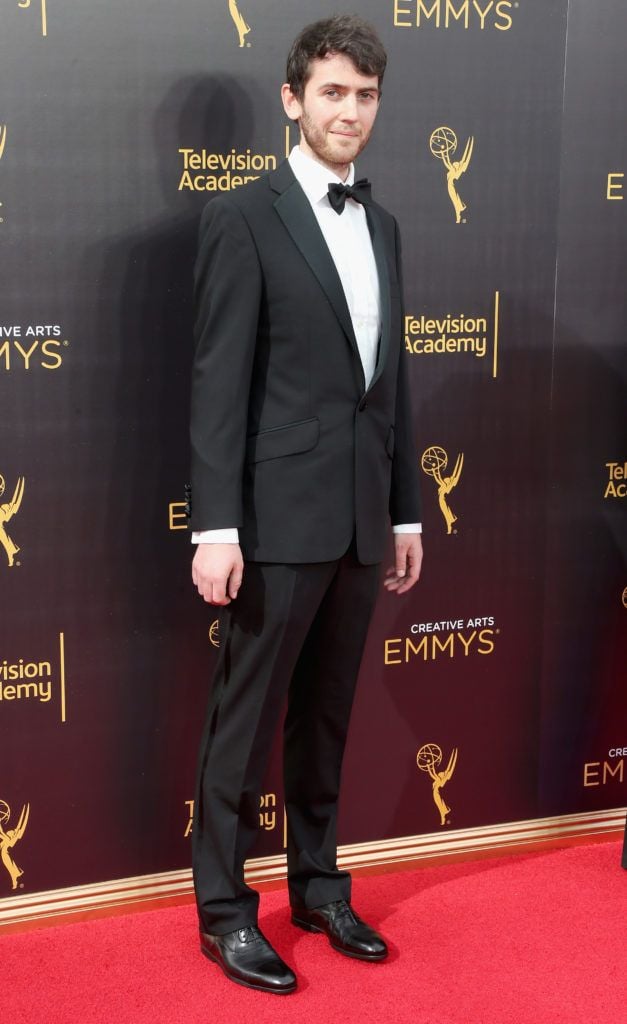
(295, 630)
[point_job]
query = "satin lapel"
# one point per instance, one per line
(381, 260)
(294, 210)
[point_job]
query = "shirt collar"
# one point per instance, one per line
(313, 177)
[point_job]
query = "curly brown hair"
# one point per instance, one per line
(345, 34)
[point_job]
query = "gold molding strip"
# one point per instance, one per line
(175, 886)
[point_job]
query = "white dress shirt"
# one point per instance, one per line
(349, 243)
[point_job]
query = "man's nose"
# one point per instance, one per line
(349, 108)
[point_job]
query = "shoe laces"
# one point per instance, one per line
(341, 908)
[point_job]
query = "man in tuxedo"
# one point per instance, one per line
(302, 452)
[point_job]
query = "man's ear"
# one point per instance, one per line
(291, 104)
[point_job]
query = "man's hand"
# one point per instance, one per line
(408, 551)
(217, 572)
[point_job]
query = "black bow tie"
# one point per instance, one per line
(338, 194)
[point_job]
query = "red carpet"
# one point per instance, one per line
(526, 940)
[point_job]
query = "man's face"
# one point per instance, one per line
(336, 113)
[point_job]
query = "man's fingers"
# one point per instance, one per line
(408, 560)
(406, 584)
(235, 582)
(218, 592)
(401, 561)
(217, 572)
(413, 575)
(392, 580)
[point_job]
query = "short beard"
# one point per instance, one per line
(317, 142)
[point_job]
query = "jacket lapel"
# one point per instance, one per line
(378, 246)
(295, 211)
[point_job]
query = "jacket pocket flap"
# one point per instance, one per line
(287, 440)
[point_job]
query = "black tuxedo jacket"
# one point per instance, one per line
(287, 443)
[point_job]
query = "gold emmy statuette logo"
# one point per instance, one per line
(25, 4)
(434, 460)
(443, 143)
(3, 138)
(214, 633)
(624, 598)
(9, 837)
(7, 511)
(428, 758)
(240, 23)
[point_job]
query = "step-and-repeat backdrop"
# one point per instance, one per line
(495, 691)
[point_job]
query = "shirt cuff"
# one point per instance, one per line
(408, 528)
(228, 536)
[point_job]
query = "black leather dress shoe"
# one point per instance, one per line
(346, 932)
(247, 958)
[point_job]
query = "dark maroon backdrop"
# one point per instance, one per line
(512, 650)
